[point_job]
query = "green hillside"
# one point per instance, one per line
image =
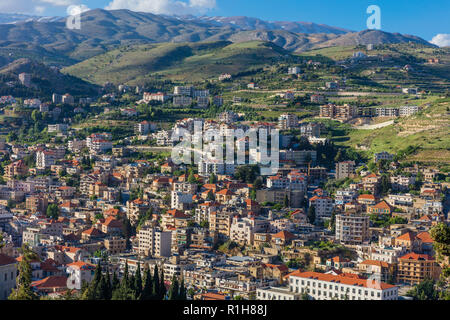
(175, 61)
(429, 131)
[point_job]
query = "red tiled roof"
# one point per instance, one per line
(342, 278)
(416, 256)
(425, 237)
(284, 235)
(50, 282)
(5, 260)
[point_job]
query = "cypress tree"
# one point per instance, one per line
(115, 282)
(182, 294)
(174, 289)
(162, 286)
(108, 292)
(147, 290)
(138, 282)
(155, 287)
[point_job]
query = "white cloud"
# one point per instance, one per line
(441, 40)
(164, 6)
(33, 6)
(74, 10)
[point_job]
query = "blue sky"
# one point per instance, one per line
(424, 18)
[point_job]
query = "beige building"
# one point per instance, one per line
(154, 242)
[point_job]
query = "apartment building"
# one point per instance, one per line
(154, 242)
(322, 286)
(345, 169)
(242, 230)
(414, 268)
(287, 121)
(17, 168)
(45, 159)
(352, 228)
(323, 207)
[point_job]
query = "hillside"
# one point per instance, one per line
(429, 131)
(185, 62)
(45, 80)
(104, 30)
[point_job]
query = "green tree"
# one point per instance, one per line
(147, 289)
(424, 291)
(24, 290)
(174, 289)
(53, 211)
(138, 282)
(312, 214)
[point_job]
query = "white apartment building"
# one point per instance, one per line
(402, 183)
(243, 230)
(287, 121)
(154, 242)
(294, 70)
(406, 111)
(76, 145)
(276, 293)
(182, 101)
(321, 286)
(44, 159)
(352, 228)
(206, 167)
(400, 200)
(183, 90)
(178, 199)
(324, 207)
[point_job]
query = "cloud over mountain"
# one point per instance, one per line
(164, 6)
(441, 40)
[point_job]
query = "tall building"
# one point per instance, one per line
(414, 268)
(287, 121)
(345, 169)
(352, 228)
(154, 242)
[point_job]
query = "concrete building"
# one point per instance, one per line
(8, 274)
(154, 242)
(322, 286)
(345, 169)
(352, 228)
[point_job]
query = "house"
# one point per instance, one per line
(79, 272)
(338, 262)
(380, 208)
(48, 285)
(379, 270)
(282, 238)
